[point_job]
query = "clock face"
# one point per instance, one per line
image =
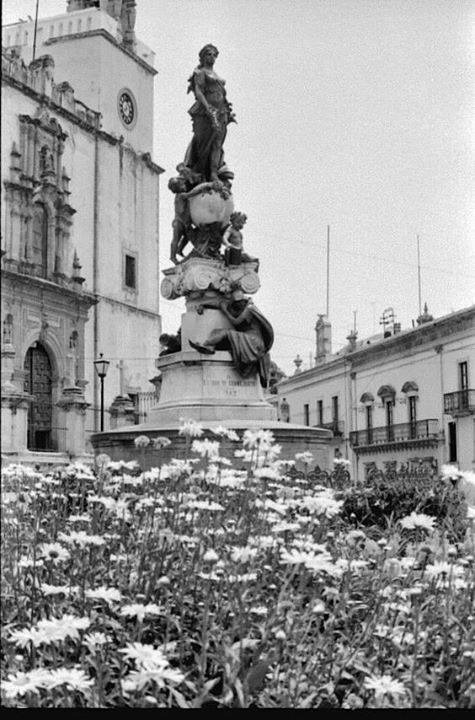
(126, 108)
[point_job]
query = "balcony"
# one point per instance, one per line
(459, 403)
(336, 426)
(423, 433)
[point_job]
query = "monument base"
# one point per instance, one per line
(207, 388)
(119, 444)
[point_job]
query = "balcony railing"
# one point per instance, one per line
(336, 426)
(461, 402)
(402, 432)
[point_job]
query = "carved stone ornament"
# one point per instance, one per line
(199, 274)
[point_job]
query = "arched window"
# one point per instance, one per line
(39, 255)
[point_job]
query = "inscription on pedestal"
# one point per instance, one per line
(229, 386)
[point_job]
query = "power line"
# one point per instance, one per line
(385, 259)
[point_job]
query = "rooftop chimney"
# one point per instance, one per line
(323, 330)
(425, 317)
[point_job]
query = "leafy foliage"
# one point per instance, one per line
(389, 497)
(198, 585)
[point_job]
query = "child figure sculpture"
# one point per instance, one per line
(232, 241)
(181, 186)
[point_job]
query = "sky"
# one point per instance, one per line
(352, 114)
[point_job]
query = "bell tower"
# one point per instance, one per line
(95, 48)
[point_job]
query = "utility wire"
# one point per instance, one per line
(390, 261)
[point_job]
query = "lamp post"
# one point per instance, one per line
(102, 367)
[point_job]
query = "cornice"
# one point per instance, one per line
(35, 284)
(46, 101)
(107, 36)
(308, 376)
(426, 334)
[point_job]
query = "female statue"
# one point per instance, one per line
(210, 114)
(248, 341)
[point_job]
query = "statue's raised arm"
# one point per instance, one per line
(210, 113)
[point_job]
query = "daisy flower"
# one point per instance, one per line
(138, 679)
(144, 656)
(243, 554)
(384, 685)
(206, 448)
(74, 678)
(139, 610)
(305, 457)
(161, 442)
(141, 441)
(20, 683)
(109, 595)
(210, 556)
(54, 552)
(418, 520)
(94, 640)
(57, 589)
(190, 428)
(79, 537)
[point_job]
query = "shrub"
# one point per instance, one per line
(383, 498)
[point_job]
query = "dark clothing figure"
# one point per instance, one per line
(249, 341)
(210, 114)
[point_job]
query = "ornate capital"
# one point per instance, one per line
(197, 275)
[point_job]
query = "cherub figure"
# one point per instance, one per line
(232, 241)
(181, 185)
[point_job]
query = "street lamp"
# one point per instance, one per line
(102, 367)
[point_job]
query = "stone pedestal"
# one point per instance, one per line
(207, 388)
(73, 406)
(122, 412)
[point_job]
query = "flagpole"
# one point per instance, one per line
(328, 270)
(36, 27)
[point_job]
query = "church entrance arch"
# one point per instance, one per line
(38, 383)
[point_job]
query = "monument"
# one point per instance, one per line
(215, 369)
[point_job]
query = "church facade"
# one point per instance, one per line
(79, 226)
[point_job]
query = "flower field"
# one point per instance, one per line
(206, 583)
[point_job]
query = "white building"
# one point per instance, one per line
(80, 198)
(407, 397)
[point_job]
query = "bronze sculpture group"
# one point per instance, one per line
(204, 169)
(248, 335)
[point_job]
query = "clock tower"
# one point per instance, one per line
(94, 46)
